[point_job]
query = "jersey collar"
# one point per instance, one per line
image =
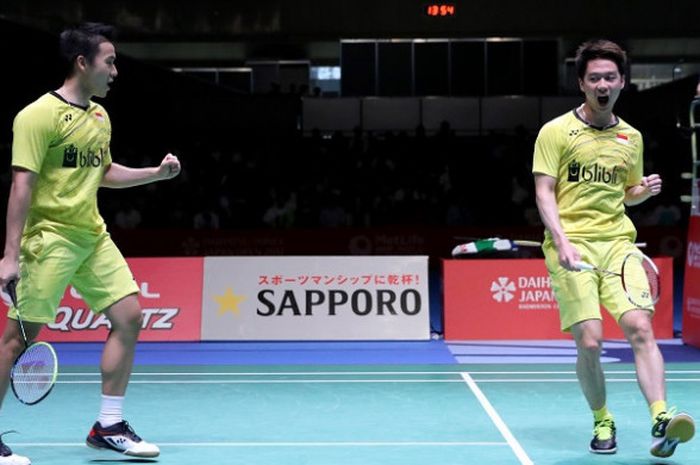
(58, 96)
(599, 128)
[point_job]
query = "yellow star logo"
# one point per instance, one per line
(228, 302)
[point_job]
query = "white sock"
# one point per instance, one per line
(110, 410)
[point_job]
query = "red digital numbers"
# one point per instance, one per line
(440, 9)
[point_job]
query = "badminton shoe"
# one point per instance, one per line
(603, 441)
(121, 438)
(669, 430)
(8, 458)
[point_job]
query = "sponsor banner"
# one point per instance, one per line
(691, 287)
(315, 298)
(513, 299)
(171, 290)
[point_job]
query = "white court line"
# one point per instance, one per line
(370, 381)
(353, 373)
(287, 444)
(496, 419)
(287, 373)
(574, 380)
(273, 381)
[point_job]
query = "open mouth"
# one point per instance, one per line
(603, 99)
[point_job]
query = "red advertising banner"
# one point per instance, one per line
(171, 298)
(691, 286)
(513, 299)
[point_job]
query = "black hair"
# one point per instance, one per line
(84, 40)
(600, 48)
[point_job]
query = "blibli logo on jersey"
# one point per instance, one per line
(72, 158)
(91, 159)
(574, 171)
(592, 173)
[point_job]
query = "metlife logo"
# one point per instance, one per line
(694, 254)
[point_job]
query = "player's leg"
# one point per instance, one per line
(579, 313)
(125, 318)
(47, 262)
(588, 336)
(668, 428)
(11, 345)
(106, 284)
(649, 362)
(589, 371)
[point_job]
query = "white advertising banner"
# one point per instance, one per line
(315, 298)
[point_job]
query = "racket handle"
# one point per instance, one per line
(11, 288)
(584, 266)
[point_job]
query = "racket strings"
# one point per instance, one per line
(652, 279)
(34, 372)
(640, 281)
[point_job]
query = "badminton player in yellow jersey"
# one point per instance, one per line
(587, 167)
(56, 236)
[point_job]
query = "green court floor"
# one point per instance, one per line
(353, 415)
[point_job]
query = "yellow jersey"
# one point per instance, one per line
(67, 146)
(593, 168)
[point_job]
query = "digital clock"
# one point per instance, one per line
(440, 9)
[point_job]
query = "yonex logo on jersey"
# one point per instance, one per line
(70, 157)
(594, 173)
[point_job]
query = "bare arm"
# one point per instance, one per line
(549, 212)
(119, 176)
(17, 211)
(650, 185)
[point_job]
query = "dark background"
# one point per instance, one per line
(254, 183)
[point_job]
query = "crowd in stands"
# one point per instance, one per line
(362, 179)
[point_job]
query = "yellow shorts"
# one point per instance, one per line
(50, 261)
(581, 293)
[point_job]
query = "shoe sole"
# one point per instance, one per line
(680, 429)
(603, 452)
(144, 455)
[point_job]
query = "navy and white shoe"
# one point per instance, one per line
(669, 430)
(121, 438)
(604, 441)
(9, 458)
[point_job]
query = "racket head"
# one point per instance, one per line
(34, 373)
(640, 280)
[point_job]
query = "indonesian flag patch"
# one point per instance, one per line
(100, 117)
(623, 139)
